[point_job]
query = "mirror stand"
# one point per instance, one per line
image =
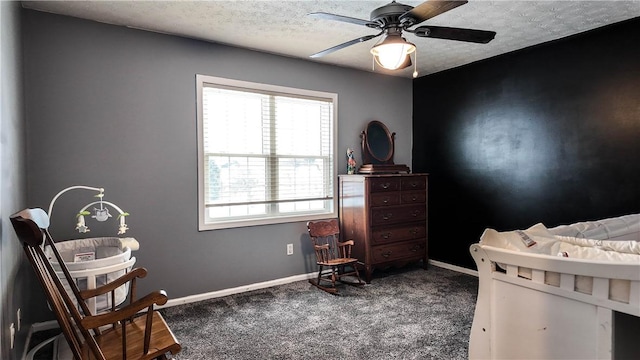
(378, 145)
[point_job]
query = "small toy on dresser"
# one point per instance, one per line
(351, 162)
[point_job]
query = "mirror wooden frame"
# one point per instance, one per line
(378, 147)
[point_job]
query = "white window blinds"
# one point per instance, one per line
(267, 153)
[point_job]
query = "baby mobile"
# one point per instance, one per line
(101, 214)
(100, 211)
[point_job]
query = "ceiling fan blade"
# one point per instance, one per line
(449, 33)
(429, 9)
(347, 19)
(344, 45)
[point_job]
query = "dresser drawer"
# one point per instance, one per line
(398, 214)
(414, 183)
(413, 197)
(398, 233)
(408, 249)
(385, 184)
(385, 199)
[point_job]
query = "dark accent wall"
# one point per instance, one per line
(547, 134)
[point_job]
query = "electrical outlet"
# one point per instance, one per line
(12, 333)
(18, 318)
(289, 249)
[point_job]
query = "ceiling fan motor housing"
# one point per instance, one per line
(388, 15)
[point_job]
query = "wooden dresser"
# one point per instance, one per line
(386, 216)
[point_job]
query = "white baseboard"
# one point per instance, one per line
(453, 267)
(238, 290)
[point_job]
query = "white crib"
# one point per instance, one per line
(537, 306)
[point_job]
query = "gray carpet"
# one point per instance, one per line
(408, 313)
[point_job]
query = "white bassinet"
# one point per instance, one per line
(94, 262)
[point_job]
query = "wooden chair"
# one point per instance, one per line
(332, 253)
(124, 333)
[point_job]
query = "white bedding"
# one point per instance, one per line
(549, 244)
(625, 227)
(546, 243)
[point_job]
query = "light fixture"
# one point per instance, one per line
(393, 52)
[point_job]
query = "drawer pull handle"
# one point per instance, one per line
(386, 235)
(413, 231)
(386, 254)
(386, 185)
(385, 201)
(415, 248)
(415, 213)
(414, 184)
(414, 198)
(387, 217)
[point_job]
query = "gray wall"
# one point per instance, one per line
(115, 107)
(13, 281)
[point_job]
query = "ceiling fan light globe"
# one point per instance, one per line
(392, 52)
(405, 62)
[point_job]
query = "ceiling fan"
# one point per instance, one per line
(393, 52)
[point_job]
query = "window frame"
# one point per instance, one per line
(201, 80)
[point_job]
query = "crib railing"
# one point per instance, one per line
(615, 285)
(527, 302)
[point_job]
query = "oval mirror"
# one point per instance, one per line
(379, 142)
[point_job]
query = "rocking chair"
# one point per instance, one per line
(125, 333)
(332, 253)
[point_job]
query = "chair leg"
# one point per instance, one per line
(336, 275)
(355, 267)
(333, 276)
(316, 282)
(320, 274)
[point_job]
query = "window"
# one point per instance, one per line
(266, 153)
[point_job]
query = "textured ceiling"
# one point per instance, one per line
(283, 27)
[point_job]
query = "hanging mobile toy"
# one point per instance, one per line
(100, 214)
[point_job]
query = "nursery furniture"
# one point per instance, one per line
(125, 333)
(386, 216)
(333, 254)
(563, 297)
